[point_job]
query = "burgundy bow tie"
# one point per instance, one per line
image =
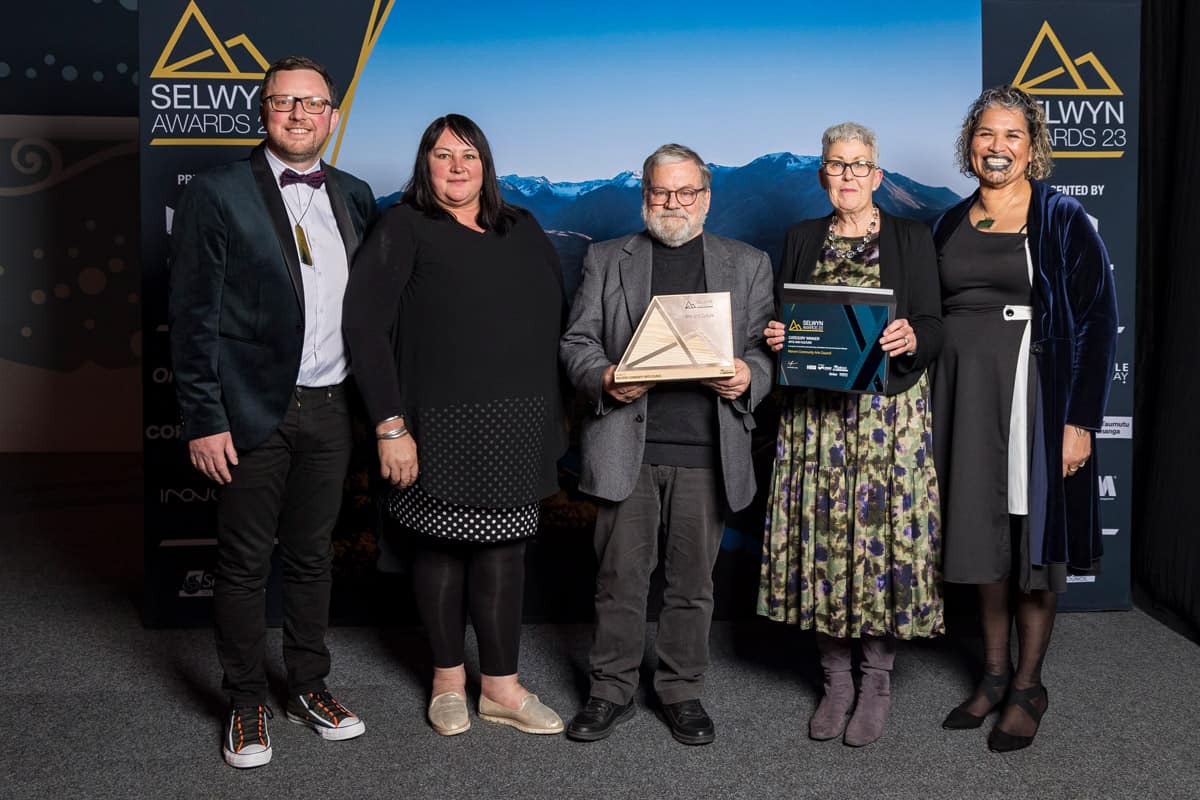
(313, 179)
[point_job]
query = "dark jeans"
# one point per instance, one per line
(290, 488)
(684, 504)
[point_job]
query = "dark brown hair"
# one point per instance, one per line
(494, 214)
(298, 62)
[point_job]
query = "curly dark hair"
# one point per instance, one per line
(1041, 160)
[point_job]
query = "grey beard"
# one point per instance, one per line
(672, 237)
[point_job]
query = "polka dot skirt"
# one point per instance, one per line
(486, 455)
(424, 513)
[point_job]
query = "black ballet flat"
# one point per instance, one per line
(1003, 742)
(994, 688)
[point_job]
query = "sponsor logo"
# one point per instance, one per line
(1108, 487)
(703, 302)
(1075, 92)
(1110, 531)
(164, 431)
(1081, 579)
(1121, 372)
(1053, 81)
(215, 61)
(188, 495)
(204, 86)
(1116, 428)
(196, 583)
(205, 83)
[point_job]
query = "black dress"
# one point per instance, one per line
(980, 447)
(457, 331)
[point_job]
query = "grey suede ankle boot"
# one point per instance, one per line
(829, 720)
(875, 694)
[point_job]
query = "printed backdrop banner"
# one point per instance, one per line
(1080, 60)
(572, 100)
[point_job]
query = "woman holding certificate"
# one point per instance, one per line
(852, 541)
(1019, 393)
(452, 318)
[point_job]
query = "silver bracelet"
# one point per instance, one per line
(387, 419)
(394, 433)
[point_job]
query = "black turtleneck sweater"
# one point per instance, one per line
(681, 416)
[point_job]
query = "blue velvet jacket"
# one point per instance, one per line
(1073, 340)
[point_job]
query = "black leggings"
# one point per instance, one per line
(448, 577)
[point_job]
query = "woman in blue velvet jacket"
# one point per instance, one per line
(1030, 323)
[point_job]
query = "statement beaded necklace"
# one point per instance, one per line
(831, 238)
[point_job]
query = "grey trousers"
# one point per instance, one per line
(684, 504)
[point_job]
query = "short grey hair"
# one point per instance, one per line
(849, 132)
(669, 154)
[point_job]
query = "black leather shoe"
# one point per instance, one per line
(597, 719)
(690, 723)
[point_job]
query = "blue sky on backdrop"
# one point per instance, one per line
(576, 92)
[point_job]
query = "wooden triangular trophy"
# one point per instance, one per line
(681, 337)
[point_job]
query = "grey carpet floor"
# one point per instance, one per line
(96, 706)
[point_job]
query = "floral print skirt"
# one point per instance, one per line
(852, 544)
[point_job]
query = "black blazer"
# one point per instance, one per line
(907, 265)
(236, 308)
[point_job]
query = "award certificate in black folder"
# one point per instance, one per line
(831, 337)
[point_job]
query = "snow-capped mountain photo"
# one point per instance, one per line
(755, 203)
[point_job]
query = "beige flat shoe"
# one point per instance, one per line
(532, 717)
(448, 714)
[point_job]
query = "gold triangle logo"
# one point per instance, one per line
(171, 66)
(1074, 83)
(795, 327)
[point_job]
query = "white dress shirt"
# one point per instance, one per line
(323, 359)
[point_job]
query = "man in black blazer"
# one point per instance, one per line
(260, 255)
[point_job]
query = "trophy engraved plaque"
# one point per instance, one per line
(681, 337)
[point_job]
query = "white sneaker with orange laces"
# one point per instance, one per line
(325, 715)
(247, 741)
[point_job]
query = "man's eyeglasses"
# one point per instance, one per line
(859, 169)
(685, 197)
(286, 102)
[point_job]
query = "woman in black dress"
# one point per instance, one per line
(452, 318)
(1019, 391)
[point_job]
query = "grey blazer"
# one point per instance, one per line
(611, 300)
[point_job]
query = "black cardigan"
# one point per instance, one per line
(907, 266)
